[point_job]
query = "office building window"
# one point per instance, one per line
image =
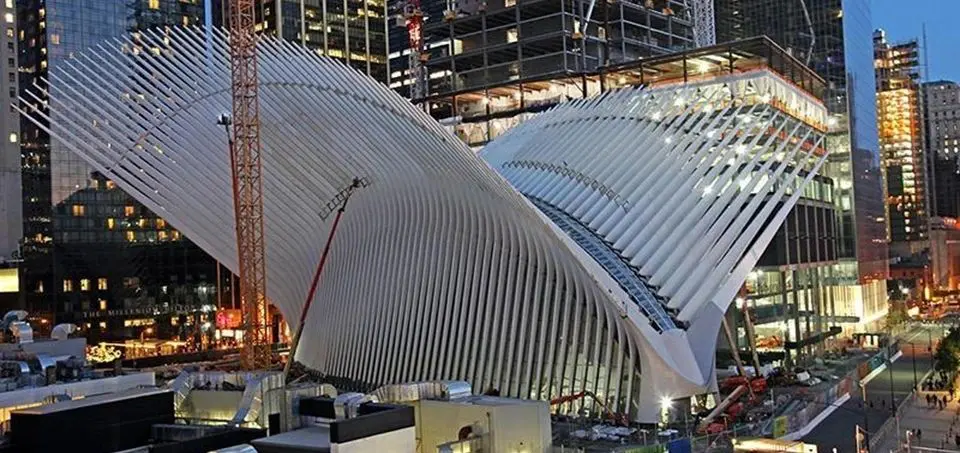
(154, 4)
(128, 211)
(111, 223)
(102, 284)
(67, 285)
(85, 284)
(79, 210)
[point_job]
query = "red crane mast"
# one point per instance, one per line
(247, 172)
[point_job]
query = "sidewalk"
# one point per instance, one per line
(938, 426)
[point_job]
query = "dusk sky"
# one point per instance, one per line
(904, 19)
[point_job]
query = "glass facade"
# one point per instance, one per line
(93, 255)
(868, 200)
(352, 31)
(834, 38)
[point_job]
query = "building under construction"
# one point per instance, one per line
(901, 143)
(475, 44)
(787, 294)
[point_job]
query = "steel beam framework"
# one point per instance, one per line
(444, 269)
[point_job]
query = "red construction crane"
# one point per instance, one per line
(413, 18)
(247, 171)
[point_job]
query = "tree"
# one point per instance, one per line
(947, 355)
(897, 315)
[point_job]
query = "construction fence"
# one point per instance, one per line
(799, 412)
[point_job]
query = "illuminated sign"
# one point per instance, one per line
(229, 318)
(9, 280)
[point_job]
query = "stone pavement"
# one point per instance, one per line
(938, 427)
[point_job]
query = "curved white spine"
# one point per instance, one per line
(442, 269)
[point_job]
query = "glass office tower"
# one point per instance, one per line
(92, 254)
(352, 31)
(834, 37)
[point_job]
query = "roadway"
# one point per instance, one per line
(837, 430)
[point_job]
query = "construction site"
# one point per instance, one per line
(337, 387)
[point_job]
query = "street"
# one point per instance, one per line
(837, 430)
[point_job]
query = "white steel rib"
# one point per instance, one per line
(603, 261)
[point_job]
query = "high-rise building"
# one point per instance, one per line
(92, 254)
(834, 38)
(941, 113)
(352, 31)
(901, 143)
(11, 217)
(147, 14)
(481, 44)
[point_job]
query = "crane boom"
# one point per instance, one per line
(247, 172)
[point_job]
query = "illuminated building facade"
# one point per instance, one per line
(944, 254)
(901, 143)
(789, 292)
(11, 217)
(352, 31)
(481, 44)
(147, 14)
(941, 112)
(834, 38)
(594, 247)
(92, 254)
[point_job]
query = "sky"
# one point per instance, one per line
(904, 20)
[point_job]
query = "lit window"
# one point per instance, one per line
(162, 235)
(128, 211)
(9, 32)
(111, 223)
(103, 324)
(161, 223)
(111, 185)
(154, 4)
(13, 137)
(175, 235)
(78, 210)
(103, 305)
(131, 237)
(8, 3)
(55, 39)
(67, 286)
(102, 284)
(142, 223)
(8, 17)
(85, 284)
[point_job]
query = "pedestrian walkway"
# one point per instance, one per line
(938, 428)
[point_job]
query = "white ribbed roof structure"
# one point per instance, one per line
(606, 269)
